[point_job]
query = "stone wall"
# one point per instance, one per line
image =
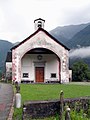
(41, 109)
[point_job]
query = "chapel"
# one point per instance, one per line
(40, 58)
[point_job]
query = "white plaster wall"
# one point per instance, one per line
(51, 66)
(8, 70)
(27, 67)
(70, 75)
(8, 66)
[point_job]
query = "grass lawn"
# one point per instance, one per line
(50, 91)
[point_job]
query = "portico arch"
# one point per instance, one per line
(51, 49)
(42, 60)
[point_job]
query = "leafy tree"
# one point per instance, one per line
(80, 71)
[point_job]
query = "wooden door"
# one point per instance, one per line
(39, 74)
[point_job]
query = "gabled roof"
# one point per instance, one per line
(9, 57)
(40, 29)
(39, 19)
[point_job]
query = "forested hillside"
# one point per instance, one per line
(4, 48)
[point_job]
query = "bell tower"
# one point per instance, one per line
(39, 23)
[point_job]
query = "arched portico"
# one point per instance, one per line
(40, 65)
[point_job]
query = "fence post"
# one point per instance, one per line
(67, 113)
(61, 105)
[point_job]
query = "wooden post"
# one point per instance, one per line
(61, 105)
(17, 86)
(67, 113)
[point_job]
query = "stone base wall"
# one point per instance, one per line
(41, 109)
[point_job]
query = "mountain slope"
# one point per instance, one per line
(4, 48)
(68, 31)
(59, 37)
(81, 39)
(77, 36)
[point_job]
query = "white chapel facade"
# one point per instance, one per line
(40, 58)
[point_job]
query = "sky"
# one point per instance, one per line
(17, 16)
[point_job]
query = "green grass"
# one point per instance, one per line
(52, 91)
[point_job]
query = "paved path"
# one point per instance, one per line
(6, 98)
(80, 83)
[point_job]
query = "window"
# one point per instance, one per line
(39, 25)
(53, 75)
(25, 75)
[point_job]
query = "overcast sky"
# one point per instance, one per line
(17, 16)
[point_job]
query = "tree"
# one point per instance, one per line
(80, 71)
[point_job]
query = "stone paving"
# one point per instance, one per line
(6, 99)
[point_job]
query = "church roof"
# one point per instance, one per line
(40, 29)
(9, 57)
